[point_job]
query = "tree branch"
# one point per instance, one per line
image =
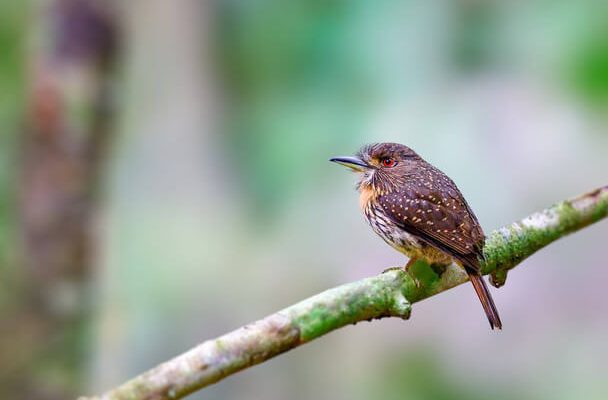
(390, 294)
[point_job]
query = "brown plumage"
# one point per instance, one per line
(420, 212)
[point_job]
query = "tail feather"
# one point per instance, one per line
(486, 298)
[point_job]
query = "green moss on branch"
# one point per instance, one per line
(387, 295)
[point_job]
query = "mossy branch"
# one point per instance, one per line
(390, 294)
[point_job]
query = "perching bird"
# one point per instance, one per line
(420, 212)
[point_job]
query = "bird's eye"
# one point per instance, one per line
(388, 162)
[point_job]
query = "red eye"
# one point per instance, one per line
(388, 162)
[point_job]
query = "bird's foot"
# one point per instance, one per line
(408, 270)
(405, 271)
(416, 281)
(393, 269)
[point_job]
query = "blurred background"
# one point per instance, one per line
(164, 180)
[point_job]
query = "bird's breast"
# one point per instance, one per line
(400, 239)
(392, 234)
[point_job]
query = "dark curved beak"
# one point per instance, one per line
(353, 163)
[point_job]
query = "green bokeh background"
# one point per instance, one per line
(219, 206)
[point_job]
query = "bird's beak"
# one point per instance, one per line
(353, 163)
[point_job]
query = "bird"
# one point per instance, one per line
(420, 212)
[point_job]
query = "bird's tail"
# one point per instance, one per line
(485, 297)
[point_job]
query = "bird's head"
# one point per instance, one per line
(382, 166)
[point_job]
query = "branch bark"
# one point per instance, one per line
(390, 294)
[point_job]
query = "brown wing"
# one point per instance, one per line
(439, 216)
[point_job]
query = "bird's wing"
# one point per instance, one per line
(442, 218)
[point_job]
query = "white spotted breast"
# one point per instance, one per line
(398, 238)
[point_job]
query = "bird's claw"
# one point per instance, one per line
(405, 271)
(416, 281)
(393, 269)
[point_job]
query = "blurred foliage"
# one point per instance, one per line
(419, 375)
(589, 67)
(12, 68)
(12, 82)
(294, 84)
(475, 37)
(297, 77)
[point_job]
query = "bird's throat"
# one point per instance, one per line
(367, 194)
